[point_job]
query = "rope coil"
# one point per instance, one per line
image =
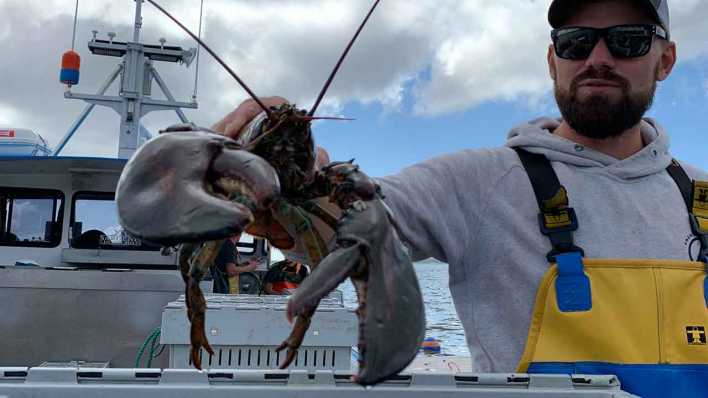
(153, 341)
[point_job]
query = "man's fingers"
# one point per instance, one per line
(233, 128)
(321, 157)
(234, 122)
(273, 101)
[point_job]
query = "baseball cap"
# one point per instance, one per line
(560, 10)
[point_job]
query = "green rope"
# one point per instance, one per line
(151, 339)
(153, 346)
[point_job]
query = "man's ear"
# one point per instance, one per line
(551, 62)
(667, 60)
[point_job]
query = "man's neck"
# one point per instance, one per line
(620, 147)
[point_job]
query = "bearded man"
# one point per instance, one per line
(580, 246)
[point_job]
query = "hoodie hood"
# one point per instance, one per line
(536, 136)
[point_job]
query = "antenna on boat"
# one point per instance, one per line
(137, 74)
(196, 67)
(73, 32)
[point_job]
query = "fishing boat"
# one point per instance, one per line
(75, 287)
(89, 309)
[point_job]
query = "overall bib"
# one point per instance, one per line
(643, 320)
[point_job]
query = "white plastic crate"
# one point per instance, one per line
(245, 330)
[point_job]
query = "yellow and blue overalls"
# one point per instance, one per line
(643, 320)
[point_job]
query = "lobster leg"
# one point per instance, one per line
(199, 260)
(325, 277)
(185, 253)
(328, 274)
(294, 340)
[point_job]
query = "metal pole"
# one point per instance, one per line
(73, 34)
(196, 72)
(82, 116)
(167, 93)
(138, 20)
(131, 90)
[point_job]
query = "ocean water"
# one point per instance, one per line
(442, 321)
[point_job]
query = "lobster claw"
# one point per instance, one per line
(393, 328)
(190, 184)
(370, 252)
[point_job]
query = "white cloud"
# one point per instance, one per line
(454, 54)
(9, 115)
(488, 52)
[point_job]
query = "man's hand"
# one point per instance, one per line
(264, 225)
(232, 123)
(233, 269)
(251, 265)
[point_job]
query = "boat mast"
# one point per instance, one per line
(137, 73)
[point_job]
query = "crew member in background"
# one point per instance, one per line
(228, 266)
(284, 276)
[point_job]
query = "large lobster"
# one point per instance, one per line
(193, 187)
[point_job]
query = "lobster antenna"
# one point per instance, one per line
(308, 118)
(216, 57)
(341, 58)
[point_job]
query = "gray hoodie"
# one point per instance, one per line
(475, 210)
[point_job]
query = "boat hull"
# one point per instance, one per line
(65, 314)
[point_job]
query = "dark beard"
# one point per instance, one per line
(598, 117)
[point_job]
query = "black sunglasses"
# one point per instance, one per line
(623, 41)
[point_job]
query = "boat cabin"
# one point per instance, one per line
(74, 286)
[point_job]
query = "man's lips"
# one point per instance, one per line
(598, 83)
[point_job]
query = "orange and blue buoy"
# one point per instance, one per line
(430, 345)
(70, 64)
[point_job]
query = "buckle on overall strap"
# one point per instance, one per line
(573, 292)
(699, 217)
(558, 221)
(698, 213)
(699, 227)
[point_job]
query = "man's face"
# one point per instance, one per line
(603, 96)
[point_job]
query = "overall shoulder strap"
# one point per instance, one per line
(543, 178)
(678, 174)
(556, 219)
(695, 195)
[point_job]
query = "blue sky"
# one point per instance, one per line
(424, 78)
(383, 142)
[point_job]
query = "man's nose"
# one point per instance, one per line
(600, 56)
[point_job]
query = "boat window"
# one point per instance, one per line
(94, 224)
(30, 217)
(246, 245)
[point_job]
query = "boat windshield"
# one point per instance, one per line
(94, 224)
(30, 217)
